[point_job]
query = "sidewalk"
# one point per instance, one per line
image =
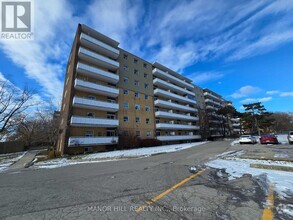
(27, 158)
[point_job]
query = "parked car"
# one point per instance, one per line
(290, 137)
(268, 139)
(247, 139)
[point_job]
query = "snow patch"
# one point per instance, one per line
(6, 160)
(114, 155)
(236, 168)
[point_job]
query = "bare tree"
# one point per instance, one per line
(13, 103)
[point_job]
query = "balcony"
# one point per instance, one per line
(80, 121)
(165, 85)
(215, 121)
(97, 59)
(96, 73)
(96, 88)
(162, 114)
(88, 141)
(164, 75)
(172, 96)
(171, 105)
(176, 126)
(98, 46)
(212, 107)
(215, 129)
(212, 96)
(178, 137)
(236, 129)
(94, 104)
(236, 124)
(235, 119)
(213, 102)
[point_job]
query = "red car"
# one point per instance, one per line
(268, 139)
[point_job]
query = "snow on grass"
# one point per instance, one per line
(142, 151)
(236, 167)
(114, 155)
(6, 160)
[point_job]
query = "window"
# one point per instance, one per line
(125, 56)
(145, 75)
(111, 115)
(135, 72)
(92, 97)
(65, 93)
(136, 83)
(145, 65)
(125, 118)
(137, 133)
(136, 95)
(125, 92)
(89, 133)
(147, 108)
(90, 114)
(125, 104)
(125, 79)
(146, 85)
(135, 61)
(146, 97)
(137, 107)
(148, 133)
(137, 119)
(147, 121)
(125, 67)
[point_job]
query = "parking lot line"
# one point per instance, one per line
(268, 211)
(139, 209)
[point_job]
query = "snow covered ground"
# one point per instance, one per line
(236, 167)
(114, 155)
(7, 160)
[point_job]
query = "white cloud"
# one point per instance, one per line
(43, 58)
(202, 77)
(252, 100)
(272, 92)
(285, 94)
(245, 91)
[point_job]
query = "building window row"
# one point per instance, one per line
(125, 57)
(137, 120)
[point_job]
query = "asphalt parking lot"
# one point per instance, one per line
(156, 187)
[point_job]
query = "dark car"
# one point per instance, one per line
(268, 139)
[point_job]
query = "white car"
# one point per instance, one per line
(247, 139)
(290, 137)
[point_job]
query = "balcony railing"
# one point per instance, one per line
(172, 96)
(97, 59)
(94, 104)
(236, 124)
(213, 96)
(164, 75)
(163, 84)
(213, 102)
(81, 121)
(178, 137)
(162, 114)
(98, 46)
(96, 88)
(171, 105)
(96, 73)
(176, 126)
(89, 141)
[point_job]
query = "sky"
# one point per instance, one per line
(242, 49)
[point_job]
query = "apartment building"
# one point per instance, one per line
(175, 106)
(110, 92)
